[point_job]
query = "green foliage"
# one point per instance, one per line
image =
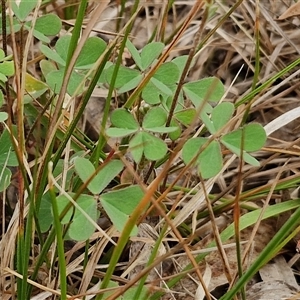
(79, 226)
(143, 142)
(120, 204)
(7, 68)
(205, 94)
(209, 158)
(89, 54)
(8, 159)
(46, 25)
(85, 170)
(3, 115)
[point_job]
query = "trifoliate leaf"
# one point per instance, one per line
(123, 119)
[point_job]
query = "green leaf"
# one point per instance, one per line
(129, 294)
(154, 148)
(34, 86)
(7, 68)
(55, 79)
(149, 53)
(155, 117)
(186, 116)
(62, 46)
(221, 114)
(23, 8)
(134, 53)
(5, 176)
(38, 35)
(144, 143)
(124, 76)
(209, 161)
(180, 62)
(49, 24)
(7, 154)
(162, 129)
(210, 88)
(85, 170)
(91, 51)
(246, 156)
(1, 98)
(251, 137)
(3, 116)
(2, 54)
(119, 132)
(123, 119)
(151, 94)
(52, 55)
(3, 78)
(161, 87)
(47, 67)
(176, 133)
(120, 204)
(60, 168)
(131, 84)
(45, 213)
(168, 73)
(80, 228)
(136, 147)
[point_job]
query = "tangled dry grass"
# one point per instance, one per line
(228, 51)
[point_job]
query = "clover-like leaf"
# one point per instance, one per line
(127, 79)
(208, 159)
(53, 55)
(174, 135)
(149, 53)
(45, 213)
(186, 116)
(47, 66)
(22, 8)
(120, 204)
(1, 98)
(181, 61)
(151, 94)
(221, 114)
(136, 147)
(7, 155)
(116, 132)
(134, 53)
(155, 117)
(62, 46)
(168, 73)
(5, 177)
(80, 228)
(55, 80)
(122, 118)
(85, 170)
(246, 156)
(251, 137)
(145, 143)
(7, 68)
(34, 86)
(90, 52)
(3, 116)
(161, 87)
(210, 89)
(49, 24)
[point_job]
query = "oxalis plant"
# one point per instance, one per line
(141, 132)
(147, 130)
(145, 127)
